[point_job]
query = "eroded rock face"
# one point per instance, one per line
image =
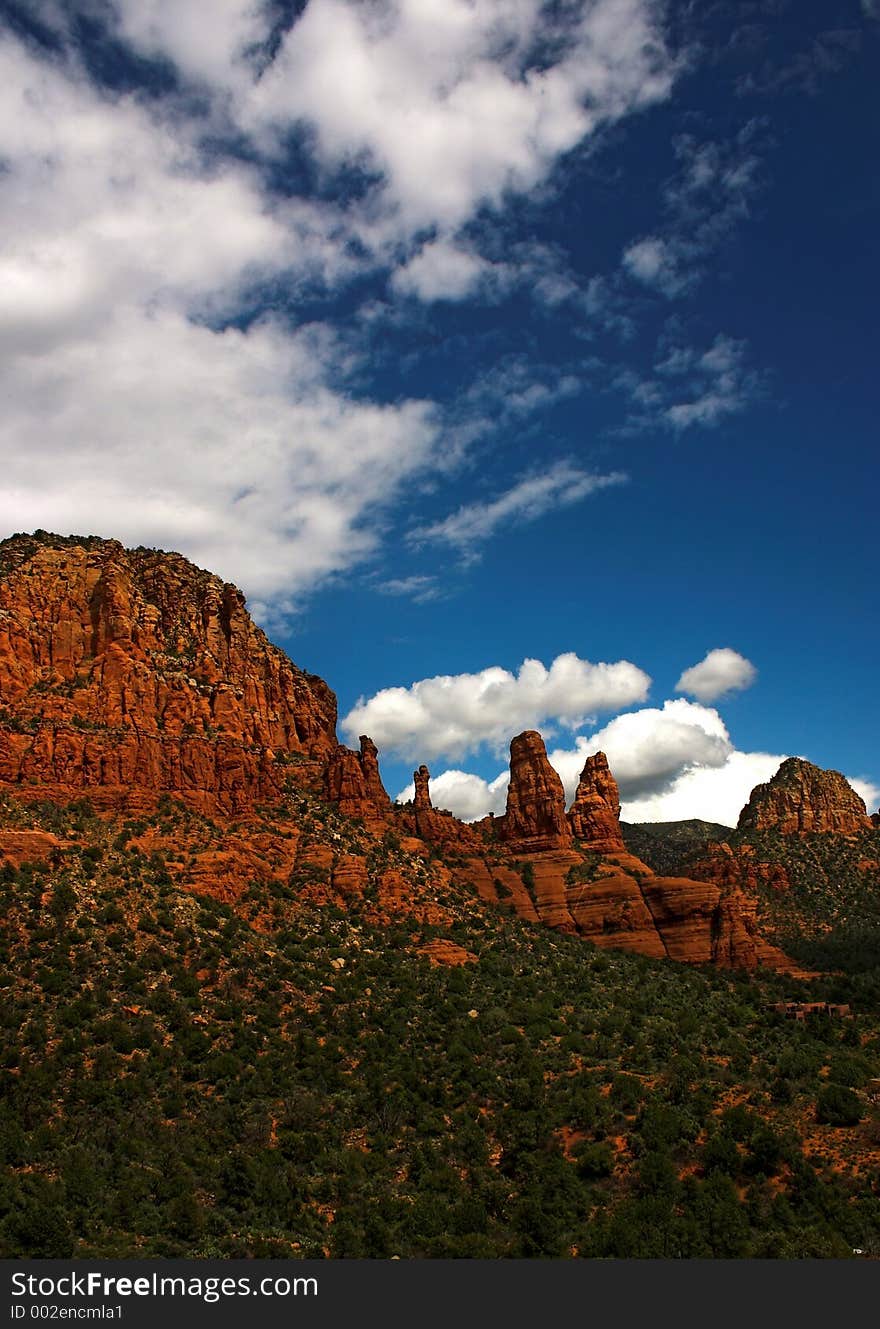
(622, 905)
(594, 815)
(353, 781)
(617, 902)
(535, 819)
(132, 672)
(802, 797)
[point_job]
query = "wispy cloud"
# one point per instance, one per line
(421, 589)
(690, 386)
(562, 485)
(709, 194)
(719, 383)
(827, 54)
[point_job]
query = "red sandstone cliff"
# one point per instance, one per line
(353, 782)
(594, 815)
(132, 672)
(802, 797)
(535, 819)
(618, 902)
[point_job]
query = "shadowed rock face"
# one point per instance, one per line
(595, 813)
(802, 798)
(535, 819)
(133, 672)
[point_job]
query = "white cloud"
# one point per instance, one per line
(129, 405)
(720, 672)
(467, 796)
(446, 99)
(227, 446)
(650, 748)
(443, 271)
(868, 792)
(672, 763)
(711, 793)
(204, 46)
(451, 715)
(561, 485)
(125, 409)
(694, 386)
(720, 384)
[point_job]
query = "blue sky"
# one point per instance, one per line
(470, 333)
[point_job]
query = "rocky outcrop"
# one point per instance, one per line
(535, 819)
(545, 874)
(422, 785)
(448, 953)
(594, 815)
(129, 673)
(438, 827)
(623, 905)
(352, 781)
(801, 798)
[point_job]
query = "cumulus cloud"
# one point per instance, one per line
(720, 672)
(713, 793)
(671, 762)
(451, 715)
(213, 49)
(649, 749)
(561, 485)
(129, 405)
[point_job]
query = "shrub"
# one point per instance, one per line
(838, 1106)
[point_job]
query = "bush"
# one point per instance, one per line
(838, 1106)
(594, 1159)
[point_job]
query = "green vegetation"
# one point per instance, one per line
(668, 847)
(177, 1083)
